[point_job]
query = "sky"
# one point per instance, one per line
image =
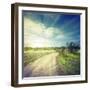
(48, 29)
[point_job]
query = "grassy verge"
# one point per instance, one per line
(70, 63)
(32, 55)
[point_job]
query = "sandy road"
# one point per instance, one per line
(44, 66)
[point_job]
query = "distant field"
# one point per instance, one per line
(66, 63)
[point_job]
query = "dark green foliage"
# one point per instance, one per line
(73, 47)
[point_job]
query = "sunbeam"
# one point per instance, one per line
(50, 29)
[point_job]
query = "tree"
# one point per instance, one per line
(73, 47)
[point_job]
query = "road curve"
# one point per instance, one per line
(44, 66)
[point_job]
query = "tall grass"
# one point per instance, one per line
(70, 63)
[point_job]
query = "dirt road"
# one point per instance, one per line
(44, 66)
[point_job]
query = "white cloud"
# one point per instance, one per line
(36, 32)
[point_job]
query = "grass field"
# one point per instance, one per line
(68, 63)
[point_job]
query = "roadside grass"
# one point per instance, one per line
(31, 55)
(70, 63)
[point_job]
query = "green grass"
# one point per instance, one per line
(70, 63)
(31, 55)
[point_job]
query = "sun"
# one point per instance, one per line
(39, 42)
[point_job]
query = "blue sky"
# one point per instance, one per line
(45, 29)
